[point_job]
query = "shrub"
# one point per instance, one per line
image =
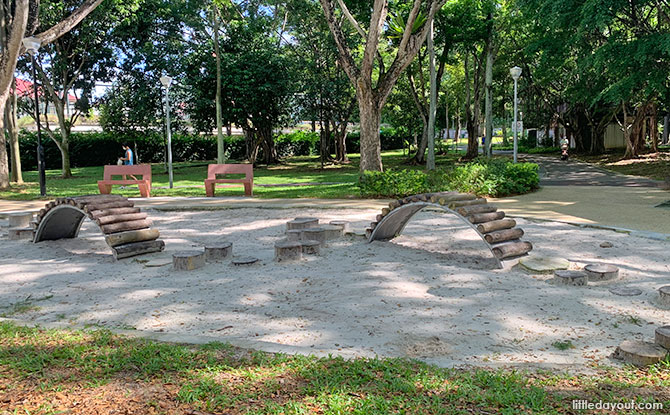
(495, 177)
(297, 143)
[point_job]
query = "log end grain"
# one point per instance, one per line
(640, 353)
(188, 260)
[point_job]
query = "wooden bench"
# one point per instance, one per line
(223, 169)
(144, 183)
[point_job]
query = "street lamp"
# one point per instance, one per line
(32, 45)
(166, 80)
(516, 73)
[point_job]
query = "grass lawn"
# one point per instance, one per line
(652, 165)
(85, 372)
(336, 181)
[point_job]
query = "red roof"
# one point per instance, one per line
(25, 88)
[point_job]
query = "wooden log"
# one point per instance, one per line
(127, 237)
(188, 260)
(218, 251)
(314, 234)
(95, 214)
(96, 198)
(496, 225)
(601, 272)
(373, 225)
(570, 277)
(511, 249)
(461, 203)
(394, 204)
(664, 295)
(20, 220)
(662, 336)
(485, 217)
(471, 210)
(137, 248)
(379, 218)
(342, 224)
(385, 211)
(640, 353)
(288, 251)
(106, 220)
(332, 232)
(448, 197)
(107, 205)
(503, 235)
(15, 234)
(125, 226)
(368, 232)
(310, 247)
(423, 197)
(294, 234)
(302, 223)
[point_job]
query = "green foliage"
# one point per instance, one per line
(496, 177)
(297, 143)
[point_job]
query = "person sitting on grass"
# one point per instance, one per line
(127, 159)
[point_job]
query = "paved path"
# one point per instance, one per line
(555, 172)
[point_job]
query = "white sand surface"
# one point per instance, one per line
(433, 293)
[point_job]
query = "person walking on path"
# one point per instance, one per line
(128, 158)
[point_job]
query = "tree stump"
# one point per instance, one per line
(137, 248)
(310, 247)
(640, 353)
(219, 251)
(662, 336)
(342, 224)
(20, 220)
(332, 232)
(315, 234)
(664, 295)
(294, 235)
(188, 260)
(601, 272)
(15, 234)
(288, 251)
(244, 260)
(625, 291)
(302, 223)
(567, 277)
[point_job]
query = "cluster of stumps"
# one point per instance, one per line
(639, 353)
(304, 236)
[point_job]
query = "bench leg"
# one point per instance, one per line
(105, 189)
(145, 190)
(248, 189)
(209, 189)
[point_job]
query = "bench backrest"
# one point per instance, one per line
(246, 169)
(136, 170)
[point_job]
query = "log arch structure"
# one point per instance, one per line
(127, 230)
(500, 234)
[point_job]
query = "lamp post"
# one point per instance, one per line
(516, 73)
(166, 80)
(32, 45)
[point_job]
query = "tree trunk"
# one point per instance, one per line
(220, 148)
(488, 112)
(430, 161)
(666, 125)
(4, 162)
(653, 127)
(370, 120)
(13, 135)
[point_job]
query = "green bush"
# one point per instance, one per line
(100, 148)
(495, 177)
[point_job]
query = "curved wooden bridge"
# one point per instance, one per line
(127, 230)
(500, 234)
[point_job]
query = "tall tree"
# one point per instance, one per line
(23, 15)
(372, 95)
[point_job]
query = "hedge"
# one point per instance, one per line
(495, 177)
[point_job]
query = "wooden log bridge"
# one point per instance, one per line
(127, 230)
(500, 234)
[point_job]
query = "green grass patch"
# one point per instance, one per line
(47, 371)
(331, 181)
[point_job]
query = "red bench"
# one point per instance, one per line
(223, 169)
(144, 183)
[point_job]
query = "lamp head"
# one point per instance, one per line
(166, 80)
(32, 44)
(515, 72)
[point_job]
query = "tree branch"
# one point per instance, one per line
(69, 22)
(377, 21)
(346, 59)
(351, 19)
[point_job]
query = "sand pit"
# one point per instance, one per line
(434, 293)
